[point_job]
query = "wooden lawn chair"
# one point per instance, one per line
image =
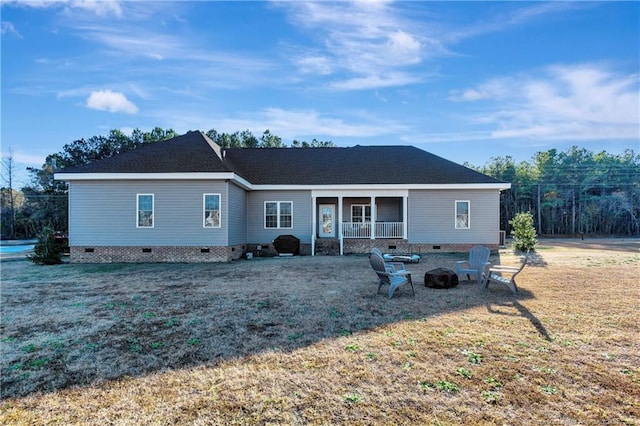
(505, 274)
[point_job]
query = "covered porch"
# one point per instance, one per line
(353, 214)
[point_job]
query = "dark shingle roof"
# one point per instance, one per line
(291, 166)
(354, 165)
(183, 154)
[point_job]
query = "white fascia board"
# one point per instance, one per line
(361, 192)
(249, 186)
(389, 187)
(154, 176)
(143, 176)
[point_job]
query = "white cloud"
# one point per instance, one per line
(368, 40)
(511, 17)
(97, 7)
(376, 81)
(9, 29)
(579, 102)
(288, 124)
(28, 159)
(490, 90)
(106, 100)
(403, 48)
(309, 122)
(314, 64)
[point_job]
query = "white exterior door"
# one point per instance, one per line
(327, 223)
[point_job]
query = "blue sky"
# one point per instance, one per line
(464, 80)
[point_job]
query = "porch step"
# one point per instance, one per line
(327, 247)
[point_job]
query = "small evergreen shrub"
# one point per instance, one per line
(47, 250)
(523, 232)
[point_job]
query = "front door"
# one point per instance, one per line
(327, 223)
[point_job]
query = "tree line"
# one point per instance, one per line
(572, 192)
(43, 202)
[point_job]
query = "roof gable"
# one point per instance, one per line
(188, 153)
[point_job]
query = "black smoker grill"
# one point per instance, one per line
(287, 244)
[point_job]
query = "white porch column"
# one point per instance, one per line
(340, 238)
(373, 218)
(405, 218)
(314, 225)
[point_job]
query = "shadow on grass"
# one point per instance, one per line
(504, 308)
(74, 325)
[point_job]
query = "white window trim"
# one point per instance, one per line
(455, 214)
(364, 212)
(153, 211)
(264, 213)
(204, 210)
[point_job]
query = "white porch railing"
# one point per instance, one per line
(363, 230)
(356, 230)
(389, 229)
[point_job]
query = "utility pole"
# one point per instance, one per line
(539, 212)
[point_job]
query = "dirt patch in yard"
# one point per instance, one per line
(308, 340)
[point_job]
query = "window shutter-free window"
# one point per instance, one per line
(286, 216)
(211, 203)
(361, 213)
(145, 211)
(271, 215)
(463, 215)
(278, 214)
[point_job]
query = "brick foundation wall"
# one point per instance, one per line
(267, 250)
(364, 245)
(151, 254)
(143, 254)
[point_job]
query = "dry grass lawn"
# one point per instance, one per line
(308, 341)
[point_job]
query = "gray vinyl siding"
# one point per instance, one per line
(432, 217)
(237, 219)
(104, 213)
(389, 209)
(257, 233)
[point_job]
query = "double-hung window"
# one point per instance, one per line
(145, 210)
(463, 214)
(278, 214)
(360, 213)
(211, 210)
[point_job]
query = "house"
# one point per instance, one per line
(189, 200)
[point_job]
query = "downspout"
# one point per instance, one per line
(340, 237)
(405, 218)
(374, 213)
(314, 225)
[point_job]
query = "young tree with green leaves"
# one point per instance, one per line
(523, 232)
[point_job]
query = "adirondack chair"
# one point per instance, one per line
(478, 261)
(397, 266)
(389, 274)
(505, 274)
